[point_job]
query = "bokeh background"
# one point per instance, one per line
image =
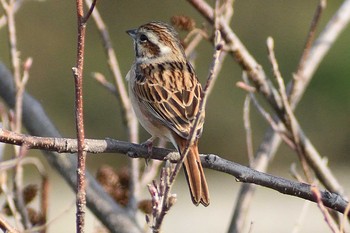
(46, 32)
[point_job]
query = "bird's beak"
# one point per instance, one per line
(132, 33)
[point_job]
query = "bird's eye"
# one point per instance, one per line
(143, 38)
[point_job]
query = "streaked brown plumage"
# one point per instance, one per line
(165, 94)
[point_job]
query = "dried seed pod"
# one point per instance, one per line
(29, 193)
(145, 206)
(183, 22)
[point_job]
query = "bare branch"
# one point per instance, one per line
(100, 78)
(79, 113)
(242, 173)
(11, 27)
(248, 129)
(311, 36)
(289, 187)
(91, 9)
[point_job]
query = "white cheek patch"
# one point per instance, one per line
(165, 50)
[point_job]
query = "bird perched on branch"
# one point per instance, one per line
(166, 94)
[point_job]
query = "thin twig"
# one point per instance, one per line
(100, 78)
(346, 213)
(9, 198)
(311, 36)
(248, 129)
(245, 86)
(91, 9)
(227, 9)
(302, 215)
(3, 19)
(151, 170)
(295, 173)
(20, 86)
(18, 188)
(11, 27)
(276, 126)
(197, 38)
(79, 114)
(44, 227)
(289, 119)
(320, 48)
(6, 227)
(332, 225)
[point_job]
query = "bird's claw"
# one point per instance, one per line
(149, 145)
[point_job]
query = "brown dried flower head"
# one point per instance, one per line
(145, 206)
(183, 22)
(36, 218)
(107, 176)
(30, 192)
(116, 183)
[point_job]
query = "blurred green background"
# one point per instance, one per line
(47, 32)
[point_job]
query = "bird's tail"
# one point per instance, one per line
(195, 176)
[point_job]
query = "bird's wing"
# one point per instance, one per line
(172, 93)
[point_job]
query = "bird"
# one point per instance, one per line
(165, 94)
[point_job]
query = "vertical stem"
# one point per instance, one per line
(44, 200)
(78, 79)
(79, 118)
(14, 54)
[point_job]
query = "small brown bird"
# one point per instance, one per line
(165, 94)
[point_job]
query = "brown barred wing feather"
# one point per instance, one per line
(172, 94)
